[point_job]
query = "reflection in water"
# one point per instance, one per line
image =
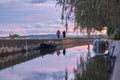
(58, 52)
(47, 51)
(94, 68)
(99, 46)
(64, 52)
(98, 50)
(35, 67)
(9, 60)
(66, 74)
(50, 67)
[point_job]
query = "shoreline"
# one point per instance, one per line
(9, 46)
(18, 57)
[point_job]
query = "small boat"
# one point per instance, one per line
(99, 46)
(47, 45)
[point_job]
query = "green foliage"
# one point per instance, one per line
(15, 36)
(93, 13)
(117, 36)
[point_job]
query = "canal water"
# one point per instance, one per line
(55, 65)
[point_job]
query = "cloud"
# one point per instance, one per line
(24, 18)
(38, 1)
(7, 1)
(28, 1)
(27, 13)
(34, 1)
(11, 29)
(26, 26)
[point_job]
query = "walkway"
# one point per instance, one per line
(116, 70)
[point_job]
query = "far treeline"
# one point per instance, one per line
(92, 13)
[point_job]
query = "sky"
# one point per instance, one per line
(29, 17)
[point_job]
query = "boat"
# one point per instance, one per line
(100, 46)
(46, 45)
(49, 44)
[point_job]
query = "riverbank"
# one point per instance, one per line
(16, 45)
(11, 58)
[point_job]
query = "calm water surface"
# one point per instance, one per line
(47, 67)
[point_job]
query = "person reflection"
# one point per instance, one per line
(58, 52)
(66, 73)
(64, 52)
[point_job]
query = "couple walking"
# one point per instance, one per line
(58, 34)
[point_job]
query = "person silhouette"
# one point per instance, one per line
(64, 34)
(58, 34)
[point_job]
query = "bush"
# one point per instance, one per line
(14, 36)
(117, 36)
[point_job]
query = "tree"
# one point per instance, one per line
(92, 13)
(14, 36)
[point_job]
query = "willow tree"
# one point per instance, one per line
(109, 14)
(92, 13)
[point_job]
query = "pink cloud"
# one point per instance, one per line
(9, 0)
(13, 29)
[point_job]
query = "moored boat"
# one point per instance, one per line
(46, 45)
(99, 46)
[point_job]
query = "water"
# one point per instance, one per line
(33, 66)
(66, 64)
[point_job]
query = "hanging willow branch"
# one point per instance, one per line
(92, 13)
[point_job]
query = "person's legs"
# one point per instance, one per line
(58, 36)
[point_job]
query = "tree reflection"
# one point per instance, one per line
(94, 69)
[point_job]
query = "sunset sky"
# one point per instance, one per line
(26, 17)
